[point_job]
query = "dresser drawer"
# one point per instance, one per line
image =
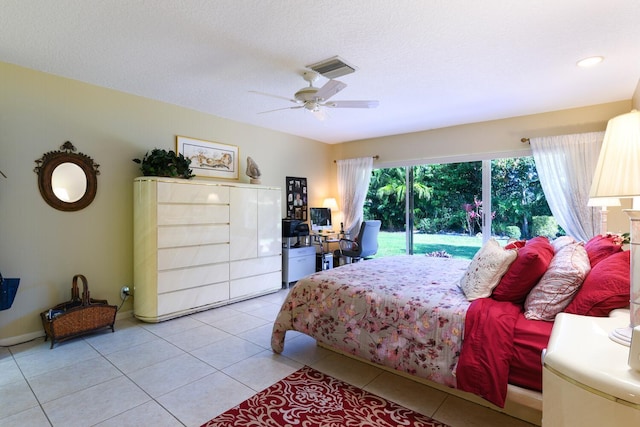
(190, 192)
(256, 266)
(304, 251)
(178, 214)
(183, 278)
(171, 258)
(191, 235)
(186, 301)
(254, 285)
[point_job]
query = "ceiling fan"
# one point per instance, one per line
(313, 99)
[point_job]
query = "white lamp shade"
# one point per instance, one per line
(330, 203)
(618, 175)
(603, 201)
(618, 170)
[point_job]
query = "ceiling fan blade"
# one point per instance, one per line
(276, 96)
(329, 89)
(280, 109)
(352, 104)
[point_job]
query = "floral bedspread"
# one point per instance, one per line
(404, 312)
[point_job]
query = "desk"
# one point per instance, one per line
(323, 240)
(586, 378)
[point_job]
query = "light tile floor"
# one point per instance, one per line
(186, 371)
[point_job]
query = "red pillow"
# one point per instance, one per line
(605, 288)
(600, 247)
(516, 244)
(532, 262)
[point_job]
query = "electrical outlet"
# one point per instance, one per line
(124, 292)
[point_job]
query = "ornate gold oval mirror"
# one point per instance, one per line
(67, 180)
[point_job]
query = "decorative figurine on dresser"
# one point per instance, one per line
(253, 171)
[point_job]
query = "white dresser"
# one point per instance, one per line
(200, 244)
(586, 378)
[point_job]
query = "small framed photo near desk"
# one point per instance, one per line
(209, 159)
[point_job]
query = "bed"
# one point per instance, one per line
(382, 310)
(408, 314)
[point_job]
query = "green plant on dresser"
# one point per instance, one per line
(161, 162)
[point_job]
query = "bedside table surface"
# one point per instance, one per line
(580, 349)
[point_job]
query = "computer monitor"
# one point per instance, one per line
(320, 219)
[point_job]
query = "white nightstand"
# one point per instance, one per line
(586, 378)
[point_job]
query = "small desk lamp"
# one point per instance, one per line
(603, 202)
(618, 175)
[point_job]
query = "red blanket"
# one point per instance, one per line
(530, 338)
(483, 366)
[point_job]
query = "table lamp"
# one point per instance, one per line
(617, 175)
(330, 203)
(603, 202)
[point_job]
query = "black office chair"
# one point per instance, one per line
(365, 245)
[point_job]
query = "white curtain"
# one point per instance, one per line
(566, 165)
(353, 183)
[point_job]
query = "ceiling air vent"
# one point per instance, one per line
(332, 67)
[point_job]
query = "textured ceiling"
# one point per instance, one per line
(430, 63)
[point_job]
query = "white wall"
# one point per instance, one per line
(46, 247)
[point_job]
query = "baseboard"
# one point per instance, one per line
(19, 339)
(124, 315)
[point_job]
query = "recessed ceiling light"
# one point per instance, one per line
(590, 62)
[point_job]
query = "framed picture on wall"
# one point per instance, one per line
(297, 198)
(208, 158)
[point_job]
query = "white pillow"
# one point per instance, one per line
(562, 241)
(559, 284)
(487, 267)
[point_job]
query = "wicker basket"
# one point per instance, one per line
(77, 316)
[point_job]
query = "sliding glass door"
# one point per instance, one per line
(453, 208)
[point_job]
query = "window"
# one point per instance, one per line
(452, 206)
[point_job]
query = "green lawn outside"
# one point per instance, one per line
(459, 246)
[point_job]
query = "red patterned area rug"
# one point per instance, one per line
(310, 398)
